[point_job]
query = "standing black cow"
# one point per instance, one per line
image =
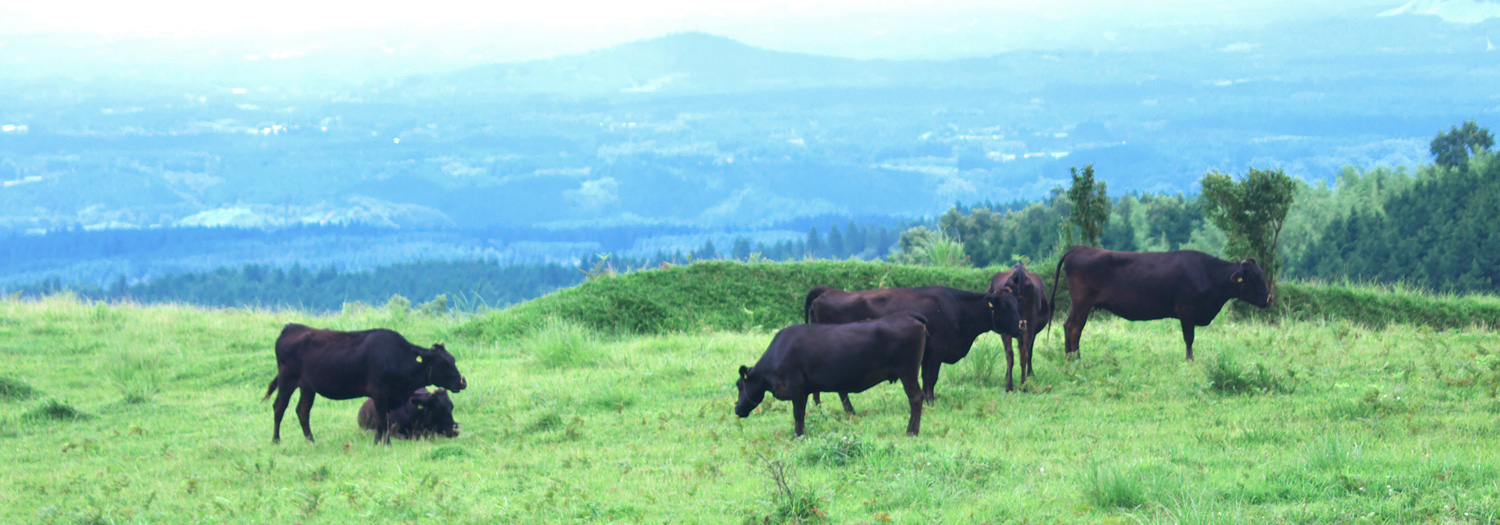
(425, 414)
(954, 319)
(1187, 285)
(1036, 313)
(379, 364)
(810, 358)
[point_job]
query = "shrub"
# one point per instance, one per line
(56, 410)
(1227, 377)
(1108, 486)
(15, 389)
(833, 450)
(562, 344)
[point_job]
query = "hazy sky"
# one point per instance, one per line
(550, 27)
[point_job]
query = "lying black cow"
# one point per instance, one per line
(425, 414)
(379, 364)
(1036, 313)
(809, 358)
(954, 319)
(1187, 285)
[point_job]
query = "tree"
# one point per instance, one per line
(741, 249)
(1251, 212)
(1453, 148)
(835, 243)
(814, 242)
(1090, 204)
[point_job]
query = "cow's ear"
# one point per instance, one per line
(1250, 261)
(1238, 276)
(744, 372)
(439, 347)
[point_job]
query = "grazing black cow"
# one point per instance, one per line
(853, 357)
(1187, 285)
(954, 319)
(424, 415)
(1036, 312)
(379, 364)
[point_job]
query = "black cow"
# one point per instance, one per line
(1036, 313)
(810, 358)
(379, 364)
(425, 414)
(1187, 285)
(954, 319)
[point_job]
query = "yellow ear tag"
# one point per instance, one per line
(419, 407)
(992, 304)
(1240, 280)
(419, 359)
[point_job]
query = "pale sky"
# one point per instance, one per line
(550, 27)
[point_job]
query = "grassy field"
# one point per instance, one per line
(124, 413)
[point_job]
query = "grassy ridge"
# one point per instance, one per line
(732, 295)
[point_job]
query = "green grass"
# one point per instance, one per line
(154, 414)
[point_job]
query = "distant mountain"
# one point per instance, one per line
(1455, 11)
(699, 63)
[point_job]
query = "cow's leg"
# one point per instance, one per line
(283, 398)
(1010, 362)
(1027, 340)
(383, 422)
(844, 396)
(304, 411)
(817, 400)
(799, 412)
(1078, 316)
(914, 396)
(929, 380)
(1187, 337)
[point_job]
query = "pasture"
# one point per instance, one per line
(127, 413)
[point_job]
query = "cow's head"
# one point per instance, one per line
(1005, 312)
(440, 368)
(1251, 281)
(752, 388)
(438, 417)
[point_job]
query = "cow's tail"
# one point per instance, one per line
(271, 389)
(812, 295)
(1056, 276)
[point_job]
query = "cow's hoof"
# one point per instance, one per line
(911, 433)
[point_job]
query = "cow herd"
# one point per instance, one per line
(849, 342)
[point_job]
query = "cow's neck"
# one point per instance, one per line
(973, 318)
(1224, 287)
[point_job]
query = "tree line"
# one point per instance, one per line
(1435, 228)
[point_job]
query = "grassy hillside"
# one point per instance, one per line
(732, 295)
(125, 413)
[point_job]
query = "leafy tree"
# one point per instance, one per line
(1251, 212)
(1090, 210)
(1453, 148)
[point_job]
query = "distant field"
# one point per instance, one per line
(148, 414)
